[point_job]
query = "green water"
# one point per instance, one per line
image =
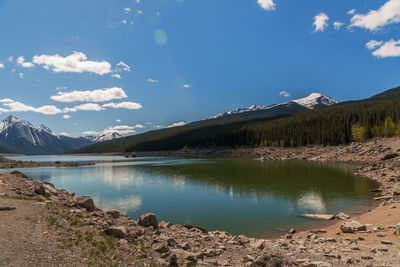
(241, 196)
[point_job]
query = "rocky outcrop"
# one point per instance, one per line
(352, 227)
(147, 220)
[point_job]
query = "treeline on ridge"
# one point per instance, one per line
(339, 124)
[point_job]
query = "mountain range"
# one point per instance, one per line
(315, 119)
(20, 136)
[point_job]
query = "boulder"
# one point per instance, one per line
(342, 216)
(85, 202)
(160, 247)
(163, 224)
(325, 217)
(116, 231)
(114, 213)
(352, 227)
(147, 220)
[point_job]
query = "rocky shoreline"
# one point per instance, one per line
(11, 164)
(56, 228)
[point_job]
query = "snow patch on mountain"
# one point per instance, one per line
(310, 102)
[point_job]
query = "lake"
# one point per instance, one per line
(240, 196)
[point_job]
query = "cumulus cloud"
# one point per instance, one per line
(187, 85)
(127, 9)
(64, 134)
(118, 120)
(22, 63)
(67, 117)
(284, 94)
(10, 58)
(176, 124)
(90, 133)
(151, 81)
(120, 129)
(1, 66)
(84, 107)
(122, 66)
(390, 48)
(76, 62)
(338, 25)
(320, 22)
(116, 76)
(127, 105)
(99, 95)
(21, 75)
(376, 19)
(351, 12)
(15, 106)
(267, 4)
(371, 45)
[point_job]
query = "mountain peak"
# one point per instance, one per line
(315, 100)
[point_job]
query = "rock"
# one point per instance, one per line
(317, 264)
(259, 244)
(390, 156)
(185, 246)
(114, 213)
(326, 217)
(173, 260)
(147, 220)
(85, 202)
(352, 227)
(116, 231)
(191, 226)
(7, 208)
(41, 190)
(386, 242)
(160, 247)
(387, 197)
(342, 216)
(292, 231)
(18, 173)
(163, 224)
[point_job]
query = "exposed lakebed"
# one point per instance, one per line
(241, 196)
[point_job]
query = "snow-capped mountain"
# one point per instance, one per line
(103, 137)
(23, 137)
(314, 100)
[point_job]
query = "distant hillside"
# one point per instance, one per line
(332, 125)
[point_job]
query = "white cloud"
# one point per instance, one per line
(284, 94)
(390, 48)
(124, 21)
(1, 66)
(127, 105)
(118, 120)
(90, 133)
(121, 129)
(371, 45)
(127, 9)
(64, 134)
(99, 95)
(151, 81)
(22, 63)
(15, 106)
(139, 12)
(267, 4)
(84, 107)
(338, 25)
(67, 117)
(10, 58)
(76, 62)
(116, 76)
(21, 75)
(176, 124)
(376, 19)
(187, 85)
(139, 126)
(320, 22)
(351, 12)
(124, 66)
(6, 100)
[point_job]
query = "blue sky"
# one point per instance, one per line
(152, 63)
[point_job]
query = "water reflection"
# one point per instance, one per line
(241, 196)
